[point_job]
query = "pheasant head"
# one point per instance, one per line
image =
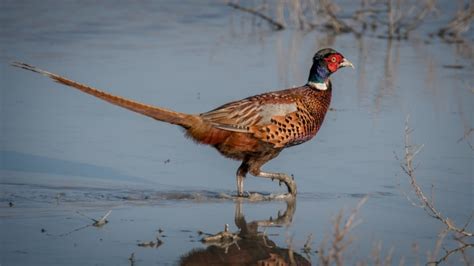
(325, 62)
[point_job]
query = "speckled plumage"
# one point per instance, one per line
(281, 118)
(255, 129)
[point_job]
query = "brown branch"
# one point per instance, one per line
(427, 204)
(449, 253)
(465, 137)
(277, 25)
(439, 242)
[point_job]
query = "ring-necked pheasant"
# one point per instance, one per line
(255, 129)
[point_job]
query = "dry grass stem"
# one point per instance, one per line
(291, 255)
(377, 258)
(340, 238)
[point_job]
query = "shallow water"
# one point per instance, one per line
(63, 152)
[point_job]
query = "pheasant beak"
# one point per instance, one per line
(346, 63)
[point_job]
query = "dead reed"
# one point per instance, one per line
(334, 253)
(390, 19)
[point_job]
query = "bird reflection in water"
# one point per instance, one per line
(248, 246)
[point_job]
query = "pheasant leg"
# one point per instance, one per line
(288, 180)
(241, 172)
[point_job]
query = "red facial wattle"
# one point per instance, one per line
(333, 61)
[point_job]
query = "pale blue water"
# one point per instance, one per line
(63, 151)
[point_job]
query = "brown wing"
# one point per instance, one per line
(288, 130)
(279, 118)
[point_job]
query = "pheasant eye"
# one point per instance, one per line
(333, 59)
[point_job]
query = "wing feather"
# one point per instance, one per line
(276, 118)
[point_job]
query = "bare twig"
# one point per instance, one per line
(467, 132)
(459, 24)
(132, 259)
(430, 5)
(291, 254)
(276, 25)
(307, 246)
(102, 220)
(427, 204)
(223, 236)
(151, 244)
(388, 258)
(465, 137)
(97, 223)
(451, 252)
(377, 259)
(441, 236)
(224, 239)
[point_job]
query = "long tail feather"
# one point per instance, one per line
(155, 112)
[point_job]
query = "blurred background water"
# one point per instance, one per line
(63, 151)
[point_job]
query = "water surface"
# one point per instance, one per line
(64, 152)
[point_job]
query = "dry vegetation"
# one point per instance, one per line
(459, 24)
(333, 254)
(392, 19)
(462, 235)
(425, 202)
(332, 251)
